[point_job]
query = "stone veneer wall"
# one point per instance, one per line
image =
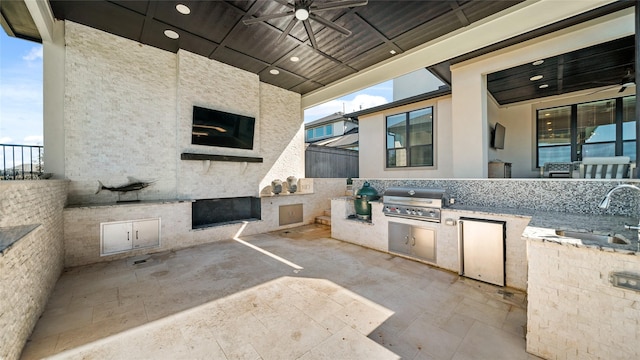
(128, 113)
(565, 195)
(29, 268)
(82, 223)
(573, 310)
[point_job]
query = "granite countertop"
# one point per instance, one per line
(11, 234)
(543, 225)
(127, 203)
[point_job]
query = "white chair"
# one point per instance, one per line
(615, 167)
(557, 169)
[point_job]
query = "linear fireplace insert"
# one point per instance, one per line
(212, 212)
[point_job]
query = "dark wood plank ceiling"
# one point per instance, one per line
(214, 29)
(597, 66)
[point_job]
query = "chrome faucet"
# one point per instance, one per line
(606, 201)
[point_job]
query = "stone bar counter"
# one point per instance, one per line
(583, 294)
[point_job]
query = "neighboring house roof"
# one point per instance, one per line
(335, 117)
(344, 141)
(444, 90)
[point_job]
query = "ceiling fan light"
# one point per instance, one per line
(302, 14)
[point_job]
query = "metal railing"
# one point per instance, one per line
(21, 162)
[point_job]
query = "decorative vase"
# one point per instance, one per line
(276, 186)
(292, 183)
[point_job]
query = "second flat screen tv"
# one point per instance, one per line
(223, 129)
(498, 137)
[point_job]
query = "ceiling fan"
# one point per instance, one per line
(305, 10)
(628, 80)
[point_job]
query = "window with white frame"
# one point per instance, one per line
(410, 139)
(320, 132)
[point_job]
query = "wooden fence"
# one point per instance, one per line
(328, 162)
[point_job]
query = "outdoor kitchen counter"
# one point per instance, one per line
(543, 224)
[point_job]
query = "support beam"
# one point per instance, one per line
(43, 18)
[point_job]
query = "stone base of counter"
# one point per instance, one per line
(574, 312)
(375, 235)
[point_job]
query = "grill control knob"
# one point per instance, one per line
(419, 213)
(398, 211)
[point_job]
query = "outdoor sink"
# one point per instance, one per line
(587, 236)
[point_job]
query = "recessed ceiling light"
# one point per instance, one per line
(183, 9)
(171, 34)
(274, 71)
(550, 129)
(537, 62)
(548, 122)
(294, 58)
(547, 114)
(543, 86)
(392, 52)
(536, 77)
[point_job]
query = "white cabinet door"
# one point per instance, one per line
(116, 237)
(146, 233)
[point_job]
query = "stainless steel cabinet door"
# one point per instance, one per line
(483, 250)
(399, 238)
(423, 243)
(115, 237)
(146, 233)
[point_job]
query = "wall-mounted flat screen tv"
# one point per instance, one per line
(219, 128)
(498, 137)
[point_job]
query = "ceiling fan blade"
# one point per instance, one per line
(284, 2)
(603, 89)
(287, 30)
(312, 38)
(329, 24)
(251, 21)
(339, 5)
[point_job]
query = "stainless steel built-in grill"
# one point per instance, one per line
(414, 203)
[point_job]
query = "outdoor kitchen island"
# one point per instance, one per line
(583, 297)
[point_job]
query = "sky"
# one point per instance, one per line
(20, 91)
(376, 95)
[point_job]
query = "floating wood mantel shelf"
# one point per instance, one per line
(192, 156)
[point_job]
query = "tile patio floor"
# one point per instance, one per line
(294, 294)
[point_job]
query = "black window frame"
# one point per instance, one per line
(575, 154)
(408, 146)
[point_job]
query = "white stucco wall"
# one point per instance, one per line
(414, 83)
(372, 134)
(464, 139)
(470, 115)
